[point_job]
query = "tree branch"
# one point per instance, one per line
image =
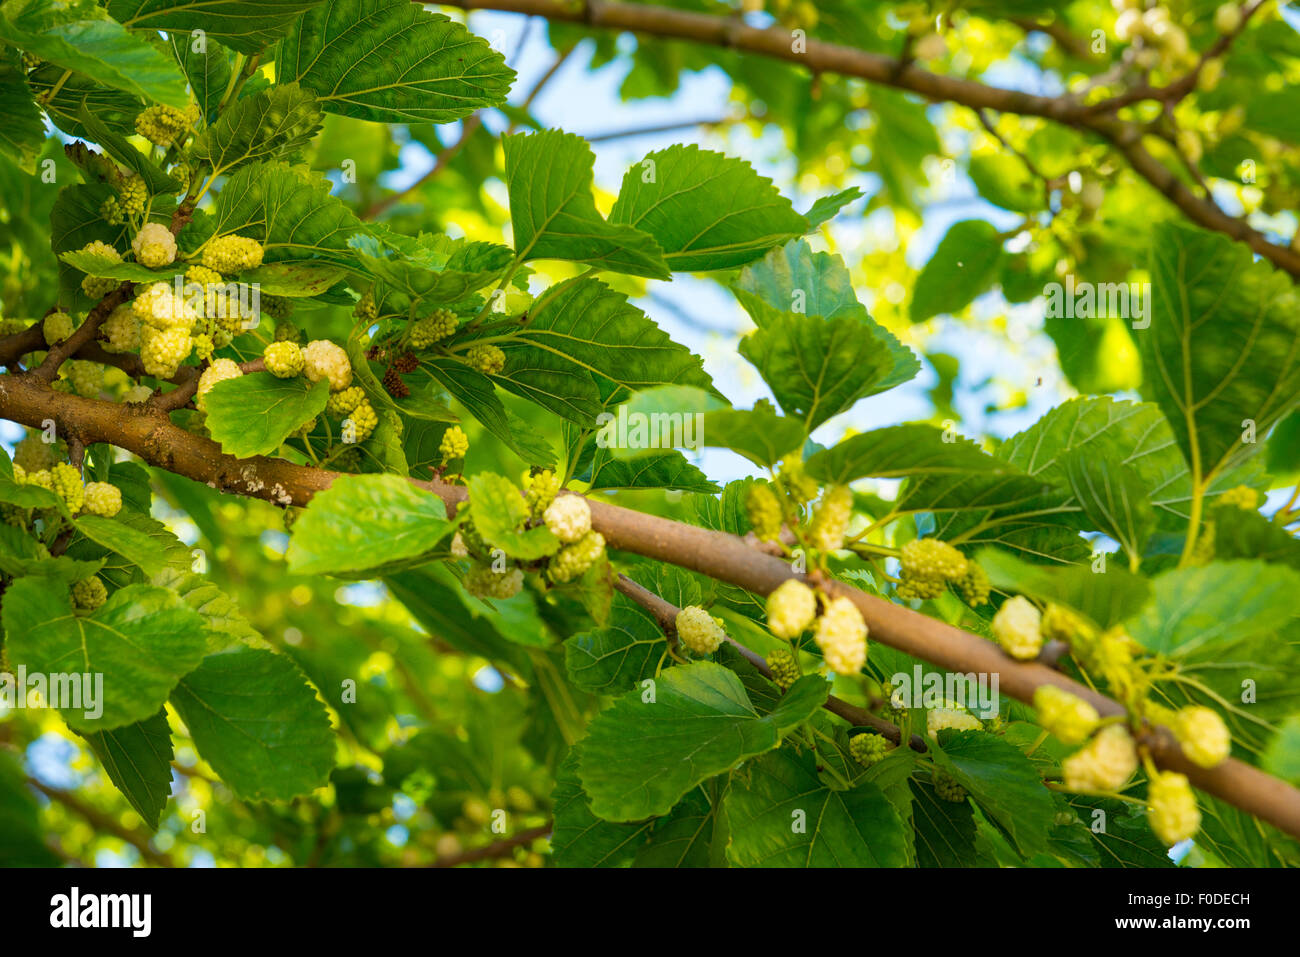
(821, 57)
(150, 435)
(501, 848)
(102, 821)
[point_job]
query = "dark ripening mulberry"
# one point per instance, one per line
(406, 362)
(394, 385)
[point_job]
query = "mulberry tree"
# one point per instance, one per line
(378, 497)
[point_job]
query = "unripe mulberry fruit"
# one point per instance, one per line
(1068, 717)
(572, 560)
(921, 589)
(164, 352)
(698, 630)
(203, 346)
(454, 444)
(323, 359)
(88, 594)
(66, 482)
(540, 489)
(487, 359)
(102, 498)
(232, 254)
(33, 455)
(1172, 811)
(97, 287)
(283, 359)
(791, 609)
(154, 246)
(120, 332)
(568, 518)
(111, 212)
(203, 276)
(1227, 18)
(158, 306)
(340, 404)
(1203, 735)
(1243, 496)
(798, 484)
(764, 510)
(784, 667)
(365, 307)
(1104, 763)
(433, 328)
(87, 378)
(361, 423)
(868, 749)
(1016, 627)
(41, 478)
(946, 787)
(841, 634)
(940, 719)
(974, 586)
(933, 559)
(279, 308)
(1061, 624)
(57, 327)
(133, 197)
(831, 518)
(482, 582)
(219, 371)
(165, 125)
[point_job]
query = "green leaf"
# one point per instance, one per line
(93, 264)
(297, 280)
(122, 539)
(759, 434)
(818, 368)
(1004, 181)
(138, 759)
(499, 512)
(366, 522)
(477, 394)
(1113, 497)
(120, 149)
(1003, 782)
(80, 36)
(793, 278)
(269, 125)
(585, 326)
(828, 207)
(226, 625)
(639, 757)
(19, 557)
(253, 414)
(1107, 597)
(579, 838)
(142, 640)
(683, 837)
(944, 831)
(1283, 755)
(207, 69)
(257, 721)
(945, 470)
(20, 820)
(1221, 347)
(1194, 608)
(618, 657)
(244, 25)
(389, 61)
(668, 470)
(706, 210)
(290, 211)
(783, 816)
(23, 133)
(433, 268)
(549, 176)
(964, 264)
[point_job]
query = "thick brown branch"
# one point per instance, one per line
(821, 57)
(724, 557)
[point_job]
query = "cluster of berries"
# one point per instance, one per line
(839, 631)
(165, 125)
(929, 565)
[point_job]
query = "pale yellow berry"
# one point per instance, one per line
(938, 719)
(232, 254)
(1203, 735)
(57, 327)
(283, 359)
(1068, 717)
(88, 594)
(1172, 811)
(791, 609)
(120, 332)
(219, 371)
(162, 352)
(454, 444)
(1016, 627)
(568, 518)
(1105, 763)
(362, 421)
(698, 630)
(841, 634)
(341, 403)
(66, 483)
(573, 560)
(831, 519)
(154, 246)
(102, 498)
(323, 359)
(482, 581)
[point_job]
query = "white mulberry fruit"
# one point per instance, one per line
(831, 518)
(163, 351)
(784, 667)
(1104, 763)
(1203, 735)
(219, 371)
(102, 498)
(1068, 717)
(698, 630)
(482, 581)
(66, 483)
(454, 444)
(572, 560)
(791, 608)
(1016, 627)
(154, 246)
(323, 359)
(568, 518)
(283, 359)
(939, 719)
(339, 404)
(57, 327)
(362, 421)
(841, 634)
(232, 254)
(434, 328)
(1172, 811)
(120, 332)
(88, 594)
